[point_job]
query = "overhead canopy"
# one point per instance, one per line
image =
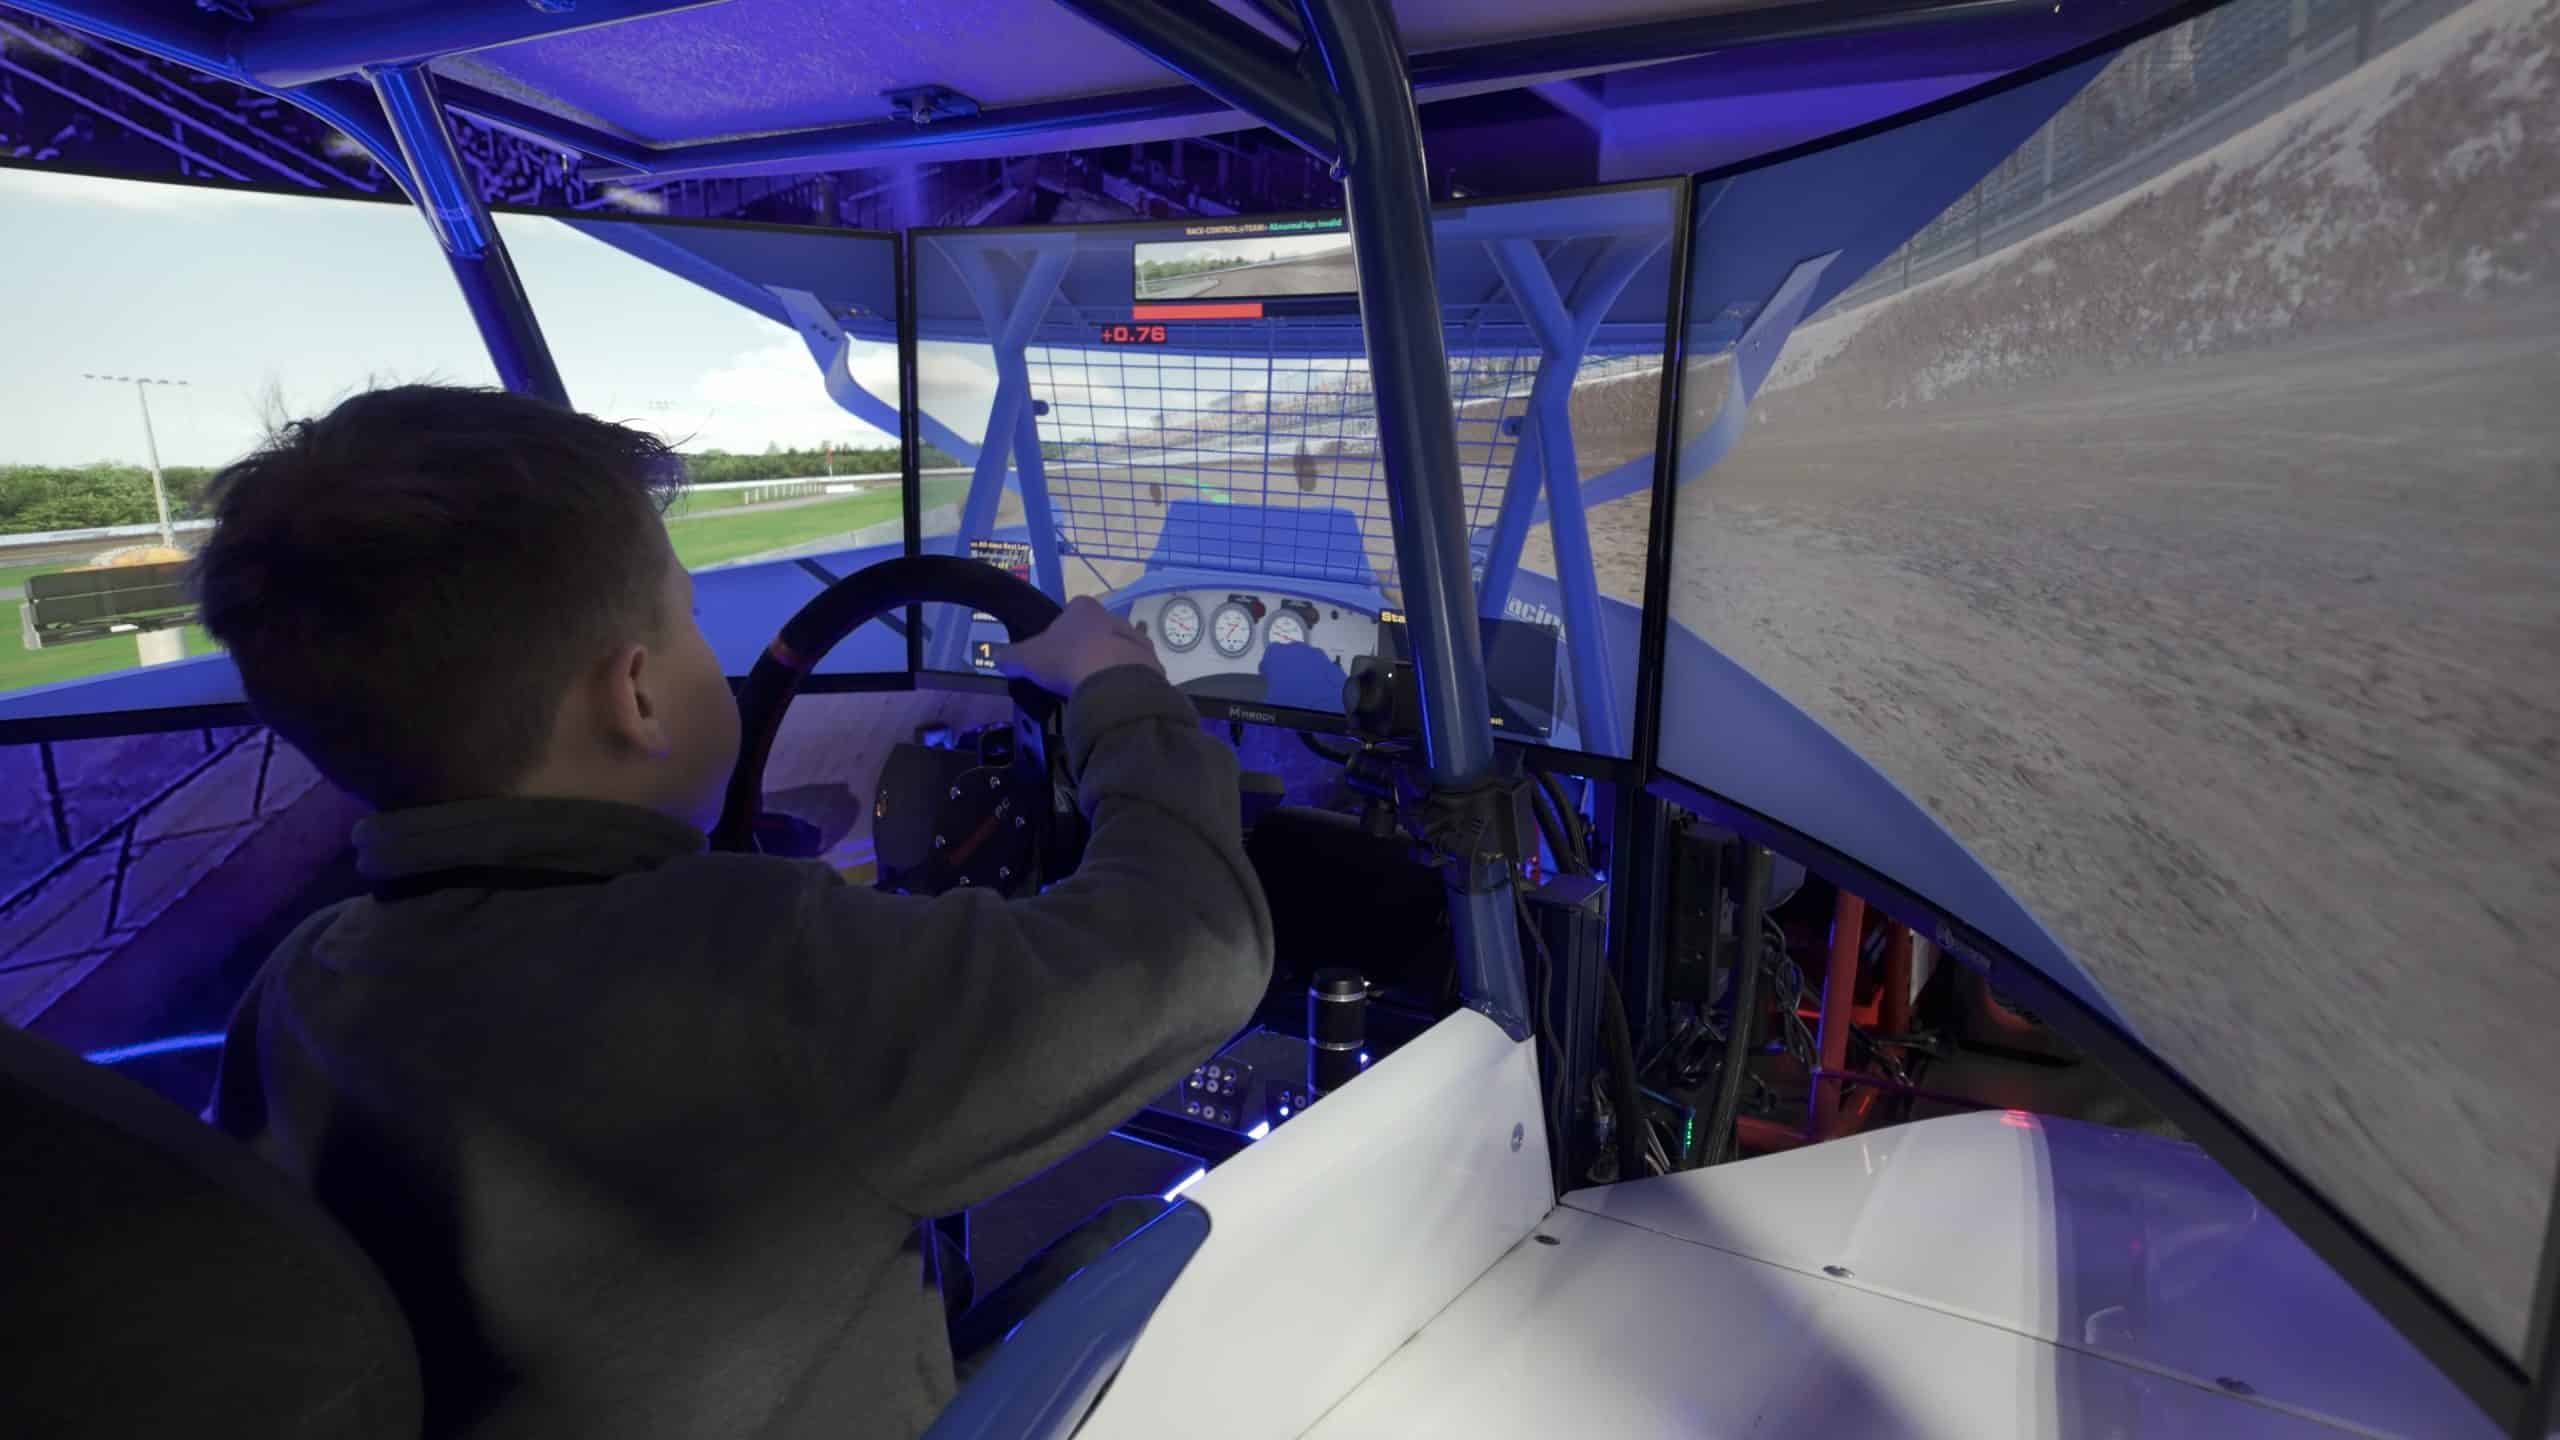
(676, 87)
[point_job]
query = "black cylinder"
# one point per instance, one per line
(1337, 1027)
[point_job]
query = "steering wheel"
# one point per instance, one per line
(840, 609)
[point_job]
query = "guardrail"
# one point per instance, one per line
(2162, 101)
(32, 539)
(808, 484)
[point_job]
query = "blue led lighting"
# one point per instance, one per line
(1185, 1183)
(162, 1046)
(1156, 1145)
(1258, 1131)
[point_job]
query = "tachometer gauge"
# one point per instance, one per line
(1179, 626)
(1288, 628)
(1231, 629)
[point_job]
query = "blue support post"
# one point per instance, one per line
(1231, 60)
(1519, 509)
(1388, 194)
(446, 194)
(1564, 334)
(831, 346)
(1010, 320)
(1546, 316)
(1031, 472)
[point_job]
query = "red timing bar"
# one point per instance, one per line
(1229, 310)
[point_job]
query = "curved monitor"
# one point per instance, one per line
(176, 322)
(768, 356)
(2120, 510)
(1175, 417)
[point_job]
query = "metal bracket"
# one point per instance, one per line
(924, 104)
(1479, 830)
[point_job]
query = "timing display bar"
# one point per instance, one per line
(1203, 310)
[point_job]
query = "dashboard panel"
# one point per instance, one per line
(1256, 646)
(1209, 632)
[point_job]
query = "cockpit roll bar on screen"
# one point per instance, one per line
(1178, 419)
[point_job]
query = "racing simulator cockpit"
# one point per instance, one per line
(1890, 735)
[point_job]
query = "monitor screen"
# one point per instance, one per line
(2142, 479)
(155, 327)
(170, 325)
(1247, 260)
(1204, 457)
(768, 357)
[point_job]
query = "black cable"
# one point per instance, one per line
(1553, 827)
(1746, 987)
(1338, 757)
(1634, 1121)
(1571, 817)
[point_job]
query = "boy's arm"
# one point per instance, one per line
(983, 1040)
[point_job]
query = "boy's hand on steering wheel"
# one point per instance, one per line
(1084, 641)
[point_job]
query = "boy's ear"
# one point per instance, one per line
(634, 711)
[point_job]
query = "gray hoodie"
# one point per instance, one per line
(648, 1156)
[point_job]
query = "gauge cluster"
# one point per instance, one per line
(1205, 633)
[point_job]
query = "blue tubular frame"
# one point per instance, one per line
(445, 194)
(1353, 70)
(396, 119)
(1011, 315)
(1546, 444)
(1230, 60)
(1387, 195)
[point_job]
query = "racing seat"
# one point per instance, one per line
(161, 1277)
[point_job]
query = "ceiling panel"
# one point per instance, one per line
(757, 66)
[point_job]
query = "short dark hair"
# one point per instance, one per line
(410, 582)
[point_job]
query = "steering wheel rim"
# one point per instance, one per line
(837, 611)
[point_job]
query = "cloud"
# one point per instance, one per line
(772, 395)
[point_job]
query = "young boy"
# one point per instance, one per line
(643, 1136)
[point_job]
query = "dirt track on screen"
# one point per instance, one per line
(2198, 564)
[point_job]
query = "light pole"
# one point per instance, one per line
(159, 489)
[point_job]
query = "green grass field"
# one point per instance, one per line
(21, 667)
(718, 539)
(14, 577)
(711, 539)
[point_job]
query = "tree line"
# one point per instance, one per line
(81, 497)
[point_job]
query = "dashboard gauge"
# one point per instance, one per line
(1231, 629)
(1288, 628)
(1179, 625)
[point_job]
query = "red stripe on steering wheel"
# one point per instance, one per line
(785, 656)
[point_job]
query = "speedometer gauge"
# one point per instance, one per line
(1287, 628)
(1179, 625)
(1231, 629)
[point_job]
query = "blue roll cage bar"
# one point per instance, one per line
(1345, 93)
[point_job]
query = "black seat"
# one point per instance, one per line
(157, 1278)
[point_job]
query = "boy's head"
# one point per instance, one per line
(448, 594)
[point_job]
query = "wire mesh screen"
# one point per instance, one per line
(1260, 463)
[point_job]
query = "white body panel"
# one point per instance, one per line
(2000, 1276)
(1338, 1237)
(1618, 1332)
